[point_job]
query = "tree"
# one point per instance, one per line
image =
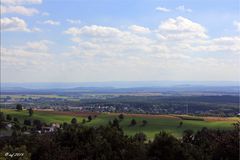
(133, 122)
(64, 125)
(115, 123)
(2, 117)
(121, 116)
(144, 122)
(30, 111)
(165, 146)
(27, 122)
(38, 124)
(16, 126)
(180, 124)
(74, 121)
(15, 119)
(89, 118)
(9, 117)
(188, 136)
(19, 107)
(83, 121)
(23, 129)
(140, 137)
(14, 133)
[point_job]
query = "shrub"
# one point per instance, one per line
(74, 121)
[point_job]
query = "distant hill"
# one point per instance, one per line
(118, 84)
(122, 87)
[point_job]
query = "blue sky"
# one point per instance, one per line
(119, 40)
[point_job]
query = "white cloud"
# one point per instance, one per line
(45, 14)
(18, 10)
(36, 29)
(51, 22)
(17, 2)
(221, 44)
(183, 9)
(28, 56)
(42, 45)
(139, 29)
(174, 38)
(237, 24)
(163, 9)
(94, 30)
(178, 49)
(181, 28)
(74, 21)
(72, 31)
(14, 24)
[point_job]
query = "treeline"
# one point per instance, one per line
(74, 141)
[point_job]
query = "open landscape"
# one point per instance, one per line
(155, 123)
(119, 80)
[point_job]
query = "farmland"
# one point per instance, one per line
(155, 123)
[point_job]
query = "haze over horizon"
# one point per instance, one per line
(122, 84)
(139, 40)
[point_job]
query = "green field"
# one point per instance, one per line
(154, 125)
(157, 124)
(43, 116)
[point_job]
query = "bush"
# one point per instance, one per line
(120, 116)
(27, 122)
(115, 123)
(9, 117)
(133, 122)
(140, 137)
(74, 121)
(89, 118)
(19, 107)
(15, 119)
(144, 122)
(2, 117)
(37, 123)
(30, 111)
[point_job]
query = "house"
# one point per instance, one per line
(47, 129)
(9, 125)
(26, 133)
(55, 125)
(52, 128)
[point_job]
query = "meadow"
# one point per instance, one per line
(155, 123)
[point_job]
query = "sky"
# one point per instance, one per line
(120, 40)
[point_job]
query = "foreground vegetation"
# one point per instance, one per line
(110, 143)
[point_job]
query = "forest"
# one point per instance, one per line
(109, 142)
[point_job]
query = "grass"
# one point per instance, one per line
(154, 125)
(43, 116)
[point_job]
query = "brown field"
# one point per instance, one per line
(147, 115)
(179, 117)
(209, 118)
(229, 119)
(83, 114)
(170, 116)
